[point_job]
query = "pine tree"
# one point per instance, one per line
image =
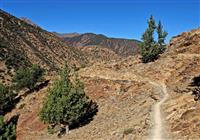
(149, 48)
(66, 103)
(161, 37)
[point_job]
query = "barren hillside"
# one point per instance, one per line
(175, 69)
(23, 44)
(128, 93)
(135, 100)
(122, 47)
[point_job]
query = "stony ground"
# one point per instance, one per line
(125, 93)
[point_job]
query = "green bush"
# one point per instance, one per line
(66, 103)
(50, 130)
(6, 97)
(128, 131)
(27, 77)
(7, 130)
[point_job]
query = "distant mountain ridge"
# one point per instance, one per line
(122, 47)
(23, 44)
(63, 35)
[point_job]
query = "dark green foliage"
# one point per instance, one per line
(195, 81)
(128, 131)
(161, 37)
(66, 103)
(50, 130)
(7, 130)
(195, 87)
(28, 77)
(149, 48)
(6, 98)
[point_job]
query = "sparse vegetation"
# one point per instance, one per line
(128, 131)
(12, 56)
(50, 130)
(66, 103)
(22, 106)
(28, 77)
(149, 48)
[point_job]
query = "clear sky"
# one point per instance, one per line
(114, 18)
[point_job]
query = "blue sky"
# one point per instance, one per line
(114, 18)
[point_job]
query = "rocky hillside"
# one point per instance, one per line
(127, 92)
(122, 47)
(28, 21)
(174, 70)
(98, 54)
(23, 44)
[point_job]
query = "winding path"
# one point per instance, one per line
(158, 129)
(157, 133)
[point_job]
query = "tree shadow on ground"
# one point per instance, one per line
(88, 117)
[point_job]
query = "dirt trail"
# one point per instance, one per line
(158, 129)
(188, 55)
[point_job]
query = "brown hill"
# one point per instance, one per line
(98, 54)
(122, 47)
(23, 44)
(67, 35)
(28, 21)
(126, 92)
(175, 70)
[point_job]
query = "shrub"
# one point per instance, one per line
(7, 130)
(66, 103)
(6, 97)
(28, 77)
(128, 131)
(195, 87)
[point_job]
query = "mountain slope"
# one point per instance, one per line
(174, 70)
(66, 35)
(28, 21)
(122, 47)
(127, 92)
(21, 42)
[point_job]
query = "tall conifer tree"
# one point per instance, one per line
(150, 49)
